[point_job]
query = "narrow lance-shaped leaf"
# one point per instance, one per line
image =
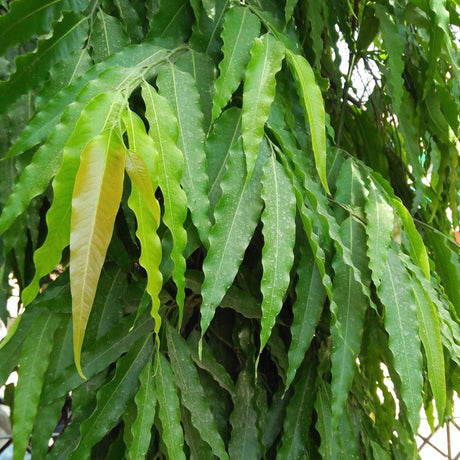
(146, 401)
(379, 215)
(192, 393)
(312, 100)
(33, 362)
(95, 200)
(26, 19)
(352, 305)
(64, 109)
(107, 36)
(278, 218)
(181, 91)
(236, 215)
(299, 414)
(147, 211)
(306, 310)
(145, 205)
(113, 397)
(164, 132)
(267, 55)
(98, 112)
(240, 29)
(169, 409)
(402, 327)
(244, 442)
(33, 68)
(430, 334)
(103, 352)
(218, 147)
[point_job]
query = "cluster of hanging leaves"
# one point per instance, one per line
(223, 248)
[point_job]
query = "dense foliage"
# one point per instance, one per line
(226, 245)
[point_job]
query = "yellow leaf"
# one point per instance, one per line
(96, 197)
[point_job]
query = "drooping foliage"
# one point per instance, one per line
(231, 224)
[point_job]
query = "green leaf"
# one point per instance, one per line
(68, 103)
(352, 305)
(145, 402)
(99, 111)
(240, 29)
(169, 409)
(306, 310)
(402, 327)
(172, 20)
(11, 344)
(107, 36)
(379, 215)
(236, 214)
(417, 246)
(34, 359)
(278, 218)
(83, 403)
(95, 200)
(311, 98)
(147, 210)
(289, 9)
(113, 397)
(99, 356)
(430, 313)
(131, 19)
(267, 55)
(192, 394)
(181, 91)
(244, 442)
(393, 37)
(299, 414)
(226, 131)
(26, 19)
(164, 132)
(32, 68)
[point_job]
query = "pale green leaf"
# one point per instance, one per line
(114, 397)
(267, 55)
(244, 442)
(146, 401)
(417, 246)
(99, 111)
(95, 200)
(192, 394)
(402, 326)
(181, 91)
(33, 362)
(64, 109)
(312, 100)
(169, 409)
(278, 218)
(164, 132)
(147, 211)
(240, 29)
(236, 214)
